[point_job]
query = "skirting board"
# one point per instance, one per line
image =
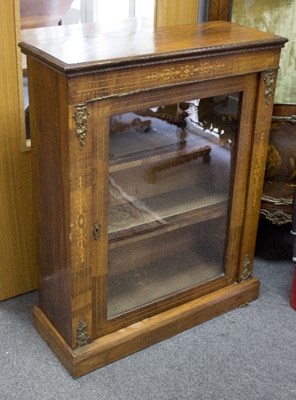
(116, 345)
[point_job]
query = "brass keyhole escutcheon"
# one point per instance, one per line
(96, 230)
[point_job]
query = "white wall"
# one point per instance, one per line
(108, 11)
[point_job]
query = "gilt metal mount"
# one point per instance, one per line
(269, 83)
(81, 118)
(246, 273)
(284, 118)
(82, 335)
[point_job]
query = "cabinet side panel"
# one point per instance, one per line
(49, 127)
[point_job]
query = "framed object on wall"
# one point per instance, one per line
(278, 17)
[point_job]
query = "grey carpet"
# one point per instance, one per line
(249, 353)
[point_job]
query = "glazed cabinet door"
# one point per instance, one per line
(170, 208)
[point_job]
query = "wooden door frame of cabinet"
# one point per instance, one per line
(125, 104)
(18, 266)
(24, 143)
(219, 10)
(169, 12)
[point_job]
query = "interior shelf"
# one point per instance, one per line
(162, 157)
(158, 142)
(163, 213)
(160, 279)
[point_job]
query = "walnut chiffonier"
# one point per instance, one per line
(147, 214)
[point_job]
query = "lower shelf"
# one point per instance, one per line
(140, 286)
(156, 268)
(112, 347)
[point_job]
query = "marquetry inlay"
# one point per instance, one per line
(80, 219)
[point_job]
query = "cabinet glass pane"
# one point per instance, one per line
(169, 186)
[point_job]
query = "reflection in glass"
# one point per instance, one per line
(275, 16)
(169, 185)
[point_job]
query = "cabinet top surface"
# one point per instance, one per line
(76, 47)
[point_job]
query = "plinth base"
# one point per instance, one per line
(140, 335)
